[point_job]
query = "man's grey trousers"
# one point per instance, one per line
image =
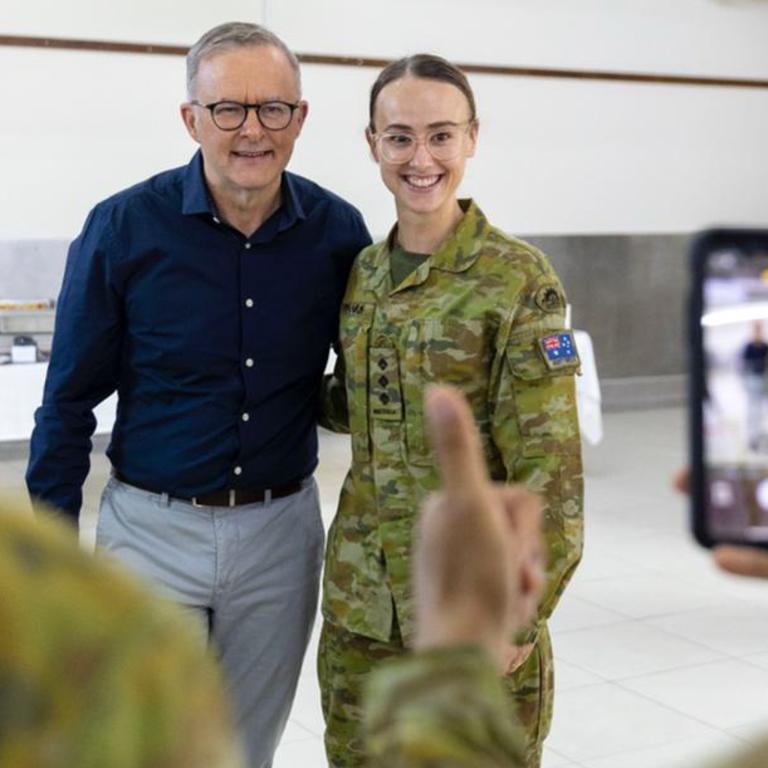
(251, 575)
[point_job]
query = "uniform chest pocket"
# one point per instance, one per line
(354, 329)
(443, 350)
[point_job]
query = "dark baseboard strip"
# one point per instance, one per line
(377, 63)
(14, 450)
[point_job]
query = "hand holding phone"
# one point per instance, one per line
(729, 387)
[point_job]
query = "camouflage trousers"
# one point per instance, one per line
(345, 660)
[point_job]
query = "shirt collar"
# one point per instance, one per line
(197, 199)
(291, 208)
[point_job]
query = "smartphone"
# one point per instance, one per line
(728, 329)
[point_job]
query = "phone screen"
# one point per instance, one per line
(732, 389)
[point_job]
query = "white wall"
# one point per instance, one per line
(149, 21)
(555, 156)
(685, 36)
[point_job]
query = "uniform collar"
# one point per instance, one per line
(460, 251)
(457, 254)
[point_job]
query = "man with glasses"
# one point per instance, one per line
(208, 297)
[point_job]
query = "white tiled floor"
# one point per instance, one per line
(662, 660)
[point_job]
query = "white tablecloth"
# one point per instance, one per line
(588, 400)
(21, 393)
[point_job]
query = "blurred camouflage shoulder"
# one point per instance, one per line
(93, 671)
(755, 756)
(443, 707)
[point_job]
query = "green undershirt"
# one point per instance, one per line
(402, 263)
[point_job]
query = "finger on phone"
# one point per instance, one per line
(456, 441)
(743, 561)
(681, 480)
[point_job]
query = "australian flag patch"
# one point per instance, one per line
(559, 350)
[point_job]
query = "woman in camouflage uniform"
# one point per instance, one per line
(446, 297)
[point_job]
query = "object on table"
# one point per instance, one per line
(24, 350)
(25, 305)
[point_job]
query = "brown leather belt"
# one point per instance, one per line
(229, 497)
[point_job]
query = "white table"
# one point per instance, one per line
(588, 398)
(21, 393)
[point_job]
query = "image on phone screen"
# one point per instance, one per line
(734, 396)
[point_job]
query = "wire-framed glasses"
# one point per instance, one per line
(444, 143)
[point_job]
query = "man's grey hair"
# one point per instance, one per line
(229, 36)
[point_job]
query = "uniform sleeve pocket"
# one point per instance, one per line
(544, 398)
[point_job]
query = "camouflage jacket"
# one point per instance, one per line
(478, 314)
(446, 709)
(94, 673)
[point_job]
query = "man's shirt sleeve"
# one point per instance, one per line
(334, 410)
(83, 369)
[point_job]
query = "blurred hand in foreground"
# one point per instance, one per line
(479, 562)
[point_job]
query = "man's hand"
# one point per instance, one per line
(743, 561)
(479, 557)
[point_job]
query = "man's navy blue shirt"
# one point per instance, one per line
(216, 343)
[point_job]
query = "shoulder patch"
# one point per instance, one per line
(549, 298)
(559, 350)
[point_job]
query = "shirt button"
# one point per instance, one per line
(247, 246)
(245, 416)
(249, 362)
(249, 303)
(238, 470)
